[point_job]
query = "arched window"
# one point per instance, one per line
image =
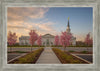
(47, 41)
(51, 43)
(43, 43)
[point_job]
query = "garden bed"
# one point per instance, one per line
(67, 58)
(29, 58)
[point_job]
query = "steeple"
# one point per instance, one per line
(68, 27)
(68, 22)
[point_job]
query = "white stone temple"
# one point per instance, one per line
(47, 39)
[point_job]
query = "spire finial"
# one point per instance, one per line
(68, 18)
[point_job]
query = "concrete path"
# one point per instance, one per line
(48, 57)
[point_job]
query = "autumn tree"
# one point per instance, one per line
(33, 37)
(12, 38)
(91, 41)
(88, 40)
(65, 39)
(56, 40)
(39, 40)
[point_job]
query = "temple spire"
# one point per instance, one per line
(68, 22)
(68, 27)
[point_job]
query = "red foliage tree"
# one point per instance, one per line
(65, 39)
(33, 37)
(56, 40)
(12, 38)
(39, 41)
(88, 40)
(91, 41)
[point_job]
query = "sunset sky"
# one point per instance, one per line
(50, 20)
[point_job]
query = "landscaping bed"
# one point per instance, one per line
(67, 58)
(30, 58)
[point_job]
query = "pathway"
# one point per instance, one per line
(48, 57)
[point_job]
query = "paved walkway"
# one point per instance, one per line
(48, 57)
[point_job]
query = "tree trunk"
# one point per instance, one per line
(64, 49)
(87, 47)
(10, 49)
(31, 48)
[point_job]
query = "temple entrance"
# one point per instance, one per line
(48, 40)
(47, 43)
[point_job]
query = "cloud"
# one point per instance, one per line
(18, 27)
(23, 13)
(80, 37)
(42, 28)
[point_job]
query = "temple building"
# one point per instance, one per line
(47, 39)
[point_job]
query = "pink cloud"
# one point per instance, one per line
(22, 13)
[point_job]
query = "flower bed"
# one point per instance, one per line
(66, 57)
(29, 58)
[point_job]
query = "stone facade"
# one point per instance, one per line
(47, 40)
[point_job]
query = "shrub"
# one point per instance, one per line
(25, 46)
(84, 51)
(18, 52)
(65, 57)
(71, 51)
(29, 58)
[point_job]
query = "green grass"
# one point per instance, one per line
(29, 58)
(65, 57)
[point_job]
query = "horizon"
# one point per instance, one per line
(50, 19)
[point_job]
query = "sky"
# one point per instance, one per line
(52, 20)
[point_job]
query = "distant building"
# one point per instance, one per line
(47, 39)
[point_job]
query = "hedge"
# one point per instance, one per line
(66, 57)
(70, 46)
(29, 58)
(25, 46)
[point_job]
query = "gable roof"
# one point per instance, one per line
(46, 35)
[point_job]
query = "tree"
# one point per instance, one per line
(91, 41)
(65, 39)
(12, 38)
(39, 41)
(88, 40)
(33, 37)
(56, 40)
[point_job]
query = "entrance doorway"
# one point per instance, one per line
(47, 43)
